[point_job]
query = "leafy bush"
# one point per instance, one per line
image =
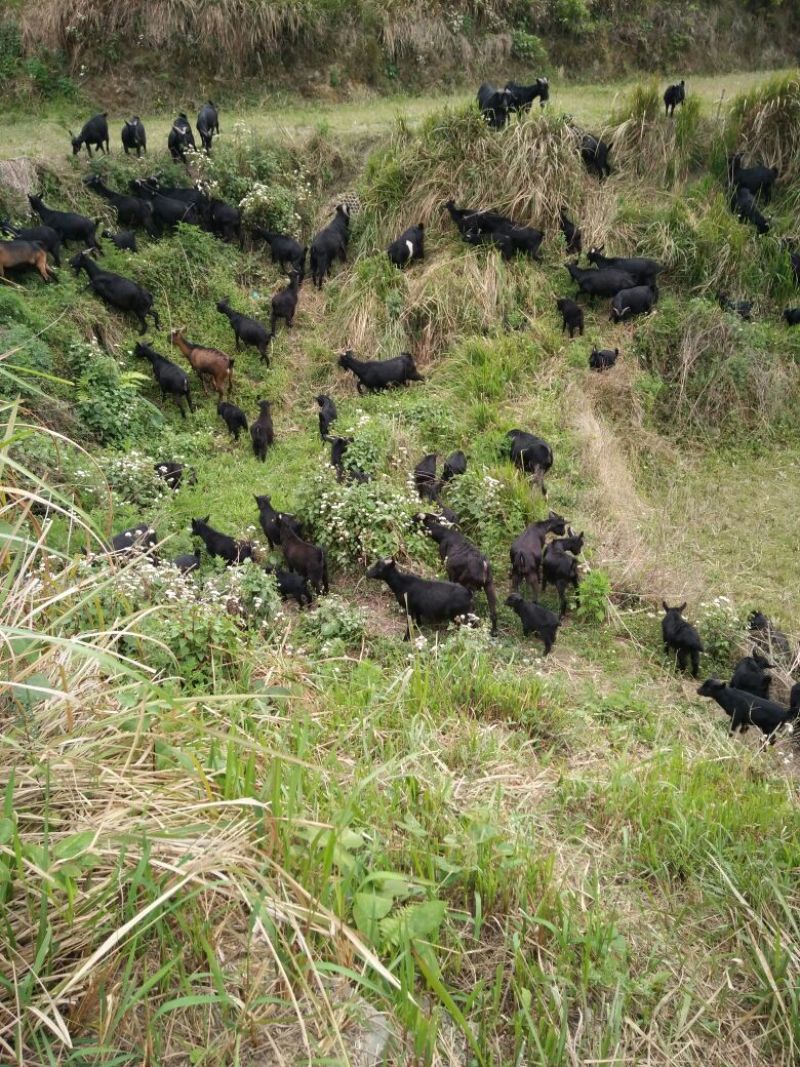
(593, 595)
(335, 625)
(723, 630)
(108, 401)
(19, 372)
(529, 47)
(10, 50)
(133, 479)
(356, 522)
(490, 508)
(196, 642)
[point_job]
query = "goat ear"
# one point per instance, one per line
(682, 608)
(664, 605)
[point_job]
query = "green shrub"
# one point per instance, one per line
(132, 479)
(335, 625)
(529, 47)
(108, 402)
(20, 371)
(10, 50)
(723, 630)
(198, 643)
(593, 596)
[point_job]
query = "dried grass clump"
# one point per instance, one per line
(766, 128)
(648, 144)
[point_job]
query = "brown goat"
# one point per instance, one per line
(23, 254)
(208, 362)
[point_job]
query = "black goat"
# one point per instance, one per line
(494, 105)
(627, 303)
(522, 96)
(767, 636)
(125, 240)
(571, 316)
(594, 154)
(531, 454)
(743, 204)
(187, 562)
(425, 480)
(302, 557)
(68, 225)
(464, 562)
(601, 359)
(225, 221)
(134, 136)
(375, 375)
(756, 180)
(270, 521)
(291, 585)
(644, 271)
(535, 620)
(220, 544)
(262, 432)
(169, 377)
(46, 236)
(285, 251)
(422, 600)
(131, 210)
(207, 124)
(233, 417)
(327, 414)
(329, 243)
(751, 675)
(743, 308)
(409, 246)
(674, 95)
(246, 330)
(747, 710)
(139, 538)
(594, 282)
(527, 549)
(560, 569)
(572, 235)
(119, 292)
(284, 303)
(681, 637)
(792, 316)
(94, 132)
(173, 472)
(454, 465)
(167, 211)
(180, 138)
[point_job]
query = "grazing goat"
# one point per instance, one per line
(594, 282)
(527, 549)
(262, 433)
(225, 221)
(559, 568)
(409, 246)
(94, 132)
(572, 235)
(464, 562)
(339, 446)
(169, 377)
(187, 562)
(522, 96)
(68, 225)
(327, 414)
(743, 308)
(375, 375)
(535, 620)
(284, 303)
(302, 557)
(423, 600)
(125, 240)
(291, 585)
(792, 316)
(643, 271)
(116, 291)
(207, 124)
(468, 220)
(139, 538)
(767, 636)
(601, 359)
(330, 243)
(571, 316)
(425, 480)
(17, 253)
(134, 137)
(594, 154)
(756, 180)
(288, 253)
(180, 138)
(674, 95)
(681, 637)
(220, 544)
(746, 710)
(270, 521)
(246, 330)
(571, 543)
(454, 465)
(751, 675)
(531, 454)
(172, 473)
(494, 105)
(207, 362)
(627, 303)
(233, 417)
(743, 204)
(166, 211)
(131, 210)
(46, 236)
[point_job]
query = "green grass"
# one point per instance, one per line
(299, 822)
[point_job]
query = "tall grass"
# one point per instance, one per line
(765, 127)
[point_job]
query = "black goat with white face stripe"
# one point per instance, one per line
(409, 246)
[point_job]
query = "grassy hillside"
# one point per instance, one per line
(327, 48)
(234, 833)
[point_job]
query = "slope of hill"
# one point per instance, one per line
(234, 832)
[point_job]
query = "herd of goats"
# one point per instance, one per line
(546, 552)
